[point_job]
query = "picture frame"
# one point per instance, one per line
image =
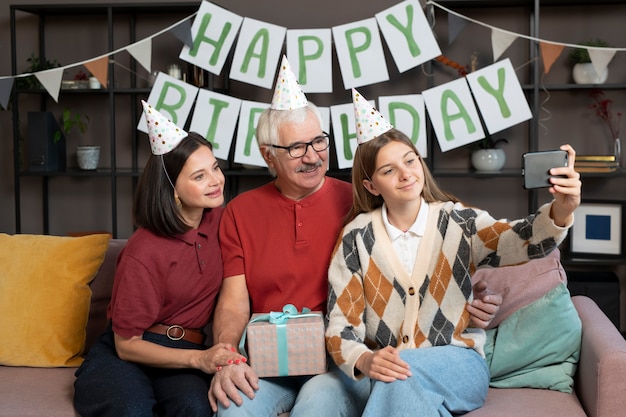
(598, 230)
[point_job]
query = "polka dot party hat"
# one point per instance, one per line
(288, 94)
(163, 134)
(369, 122)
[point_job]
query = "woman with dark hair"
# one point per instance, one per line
(152, 360)
(400, 276)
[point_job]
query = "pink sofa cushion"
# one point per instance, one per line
(522, 284)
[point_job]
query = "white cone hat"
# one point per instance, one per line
(288, 94)
(369, 122)
(163, 134)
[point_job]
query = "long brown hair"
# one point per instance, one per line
(364, 166)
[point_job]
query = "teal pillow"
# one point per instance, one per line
(537, 346)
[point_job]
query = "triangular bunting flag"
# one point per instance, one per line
(6, 85)
(455, 27)
(99, 68)
(142, 52)
(183, 32)
(51, 81)
(500, 42)
(549, 53)
(600, 58)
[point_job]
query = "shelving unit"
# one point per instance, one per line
(561, 95)
(120, 105)
(122, 96)
(536, 86)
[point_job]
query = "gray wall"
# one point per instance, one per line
(565, 117)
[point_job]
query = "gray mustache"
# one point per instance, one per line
(306, 167)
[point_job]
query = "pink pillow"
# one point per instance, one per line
(520, 285)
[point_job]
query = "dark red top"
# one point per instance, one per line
(167, 280)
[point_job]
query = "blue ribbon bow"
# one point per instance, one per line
(280, 320)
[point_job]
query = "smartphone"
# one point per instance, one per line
(536, 167)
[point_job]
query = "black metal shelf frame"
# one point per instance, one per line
(132, 11)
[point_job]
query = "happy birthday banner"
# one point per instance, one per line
(455, 109)
(493, 92)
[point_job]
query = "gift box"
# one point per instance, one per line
(286, 343)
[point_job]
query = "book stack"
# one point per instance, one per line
(595, 163)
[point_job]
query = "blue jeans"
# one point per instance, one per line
(446, 380)
(330, 394)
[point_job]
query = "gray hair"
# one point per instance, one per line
(271, 121)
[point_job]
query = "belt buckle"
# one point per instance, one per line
(172, 327)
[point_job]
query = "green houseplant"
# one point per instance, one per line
(581, 55)
(583, 71)
(87, 155)
(36, 64)
(70, 121)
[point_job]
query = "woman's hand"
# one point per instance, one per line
(484, 307)
(566, 191)
(384, 365)
(216, 357)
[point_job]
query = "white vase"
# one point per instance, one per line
(585, 73)
(94, 83)
(488, 160)
(617, 151)
(88, 157)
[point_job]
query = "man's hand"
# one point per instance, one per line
(227, 383)
(484, 307)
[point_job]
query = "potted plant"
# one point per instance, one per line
(583, 71)
(36, 64)
(487, 156)
(87, 155)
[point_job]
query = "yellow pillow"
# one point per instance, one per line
(45, 297)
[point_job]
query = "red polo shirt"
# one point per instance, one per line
(283, 246)
(167, 280)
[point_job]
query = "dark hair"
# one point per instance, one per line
(154, 206)
(363, 168)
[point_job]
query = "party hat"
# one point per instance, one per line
(164, 135)
(369, 122)
(288, 94)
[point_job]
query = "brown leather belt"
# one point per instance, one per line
(176, 332)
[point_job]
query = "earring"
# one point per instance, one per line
(179, 204)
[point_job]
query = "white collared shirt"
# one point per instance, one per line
(406, 243)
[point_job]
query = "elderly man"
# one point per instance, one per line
(276, 245)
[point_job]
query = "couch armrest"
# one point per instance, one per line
(602, 366)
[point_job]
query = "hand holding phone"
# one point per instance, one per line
(536, 167)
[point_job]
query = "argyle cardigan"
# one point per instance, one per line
(373, 302)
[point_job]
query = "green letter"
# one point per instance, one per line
(414, 115)
(251, 130)
(219, 105)
(262, 36)
(347, 150)
(217, 44)
(448, 118)
(303, 58)
(354, 50)
(171, 108)
(498, 94)
(407, 31)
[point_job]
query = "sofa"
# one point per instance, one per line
(599, 381)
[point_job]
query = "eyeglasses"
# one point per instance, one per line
(298, 150)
